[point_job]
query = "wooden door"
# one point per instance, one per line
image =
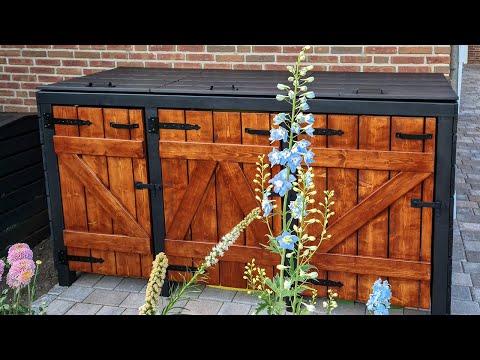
(104, 216)
(375, 172)
(207, 185)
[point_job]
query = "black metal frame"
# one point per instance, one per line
(445, 112)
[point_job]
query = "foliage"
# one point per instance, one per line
(160, 265)
(294, 245)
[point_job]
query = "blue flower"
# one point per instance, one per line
(296, 128)
(274, 157)
(304, 106)
(279, 118)
(282, 182)
(302, 145)
(278, 134)
(287, 240)
(296, 207)
(309, 130)
(294, 160)
(309, 95)
(308, 157)
(379, 301)
(266, 204)
(309, 119)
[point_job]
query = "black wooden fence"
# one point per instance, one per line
(23, 205)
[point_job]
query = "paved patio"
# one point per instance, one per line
(466, 238)
(108, 295)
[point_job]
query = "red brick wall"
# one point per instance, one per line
(474, 54)
(24, 67)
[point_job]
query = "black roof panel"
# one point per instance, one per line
(344, 85)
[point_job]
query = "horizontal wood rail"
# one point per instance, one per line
(100, 147)
(212, 152)
(374, 160)
(109, 242)
(405, 269)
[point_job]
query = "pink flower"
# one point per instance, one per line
(21, 273)
(2, 268)
(19, 251)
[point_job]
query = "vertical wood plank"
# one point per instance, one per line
(344, 182)
(373, 237)
(73, 192)
(120, 171)
(320, 181)
(427, 215)
(142, 197)
(227, 129)
(175, 183)
(258, 121)
(404, 239)
(98, 220)
(204, 223)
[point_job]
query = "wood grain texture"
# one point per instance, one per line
(73, 192)
(227, 130)
(320, 181)
(107, 200)
(120, 172)
(405, 221)
(337, 262)
(99, 221)
(142, 197)
(373, 236)
(95, 146)
(374, 160)
(109, 242)
(213, 152)
(371, 206)
(344, 183)
(258, 121)
(427, 214)
(204, 223)
(175, 183)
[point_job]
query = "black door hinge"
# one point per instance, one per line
(124, 126)
(153, 125)
(154, 187)
(63, 258)
(49, 121)
(325, 282)
(316, 131)
(413, 136)
(437, 205)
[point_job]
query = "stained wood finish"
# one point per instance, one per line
(344, 182)
(405, 221)
(104, 162)
(73, 192)
(337, 262)
(373, 236)
(427, 215)
(175, 183)
(319, 143)
(142, 198)
(92, 146)
(99, 220)
(227, 130)
(213, 152)
(260, 122)
(109, 242)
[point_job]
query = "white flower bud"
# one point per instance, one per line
(283, 87)
(291, 94)
(310, 79)
(290, 68)
(281, 97)
(310, 307)
(307, 47)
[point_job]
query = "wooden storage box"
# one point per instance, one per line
(147, 160)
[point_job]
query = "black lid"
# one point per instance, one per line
(341, 85)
